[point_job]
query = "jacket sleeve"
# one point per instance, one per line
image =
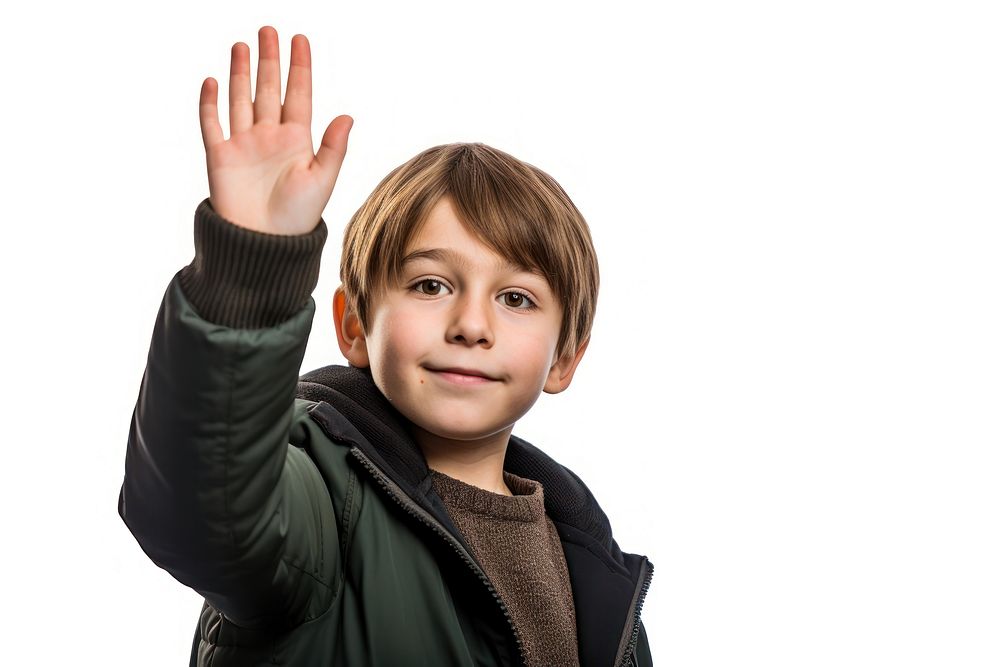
(213, 491)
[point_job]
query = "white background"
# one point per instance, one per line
(790, 403)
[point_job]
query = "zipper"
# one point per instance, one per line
(404, 501)
(626, 653)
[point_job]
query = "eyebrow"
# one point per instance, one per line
(448, 256)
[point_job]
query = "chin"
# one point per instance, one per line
(456, 429)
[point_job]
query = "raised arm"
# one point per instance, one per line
(213, 491)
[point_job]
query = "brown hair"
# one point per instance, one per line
(513, 207)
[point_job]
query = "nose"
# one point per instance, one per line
(471, 322)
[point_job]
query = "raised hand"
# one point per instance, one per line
(265, 176)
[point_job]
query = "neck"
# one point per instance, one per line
(475, 462)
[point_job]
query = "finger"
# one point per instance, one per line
(208, 113)
(267, 100)
(240, 106)
(334, 147)
(298, 95)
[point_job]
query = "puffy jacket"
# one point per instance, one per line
(303, 512)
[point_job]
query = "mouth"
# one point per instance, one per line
(459, 375)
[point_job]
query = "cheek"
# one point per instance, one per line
(395, 343)
(534, 352)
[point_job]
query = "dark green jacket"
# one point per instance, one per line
(303, 512)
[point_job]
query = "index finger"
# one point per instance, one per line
(298, 95)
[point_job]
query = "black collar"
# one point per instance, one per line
(353, 392)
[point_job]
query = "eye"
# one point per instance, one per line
(517, 301)
(430, 286)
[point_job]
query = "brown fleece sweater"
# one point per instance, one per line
(519, 549)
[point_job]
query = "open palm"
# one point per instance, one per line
(265, 176)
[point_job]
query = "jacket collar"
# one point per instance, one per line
(605, 581)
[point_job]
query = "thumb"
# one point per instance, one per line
(334, 146)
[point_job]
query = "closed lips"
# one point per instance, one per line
(463, 371)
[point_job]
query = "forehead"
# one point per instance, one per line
(443, 237)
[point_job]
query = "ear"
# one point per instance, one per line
(561, 373)
(350, 335)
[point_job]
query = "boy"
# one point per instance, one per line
(381, 513)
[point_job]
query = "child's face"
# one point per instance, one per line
(465, 343)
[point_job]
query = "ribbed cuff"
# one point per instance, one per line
(244, 279)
